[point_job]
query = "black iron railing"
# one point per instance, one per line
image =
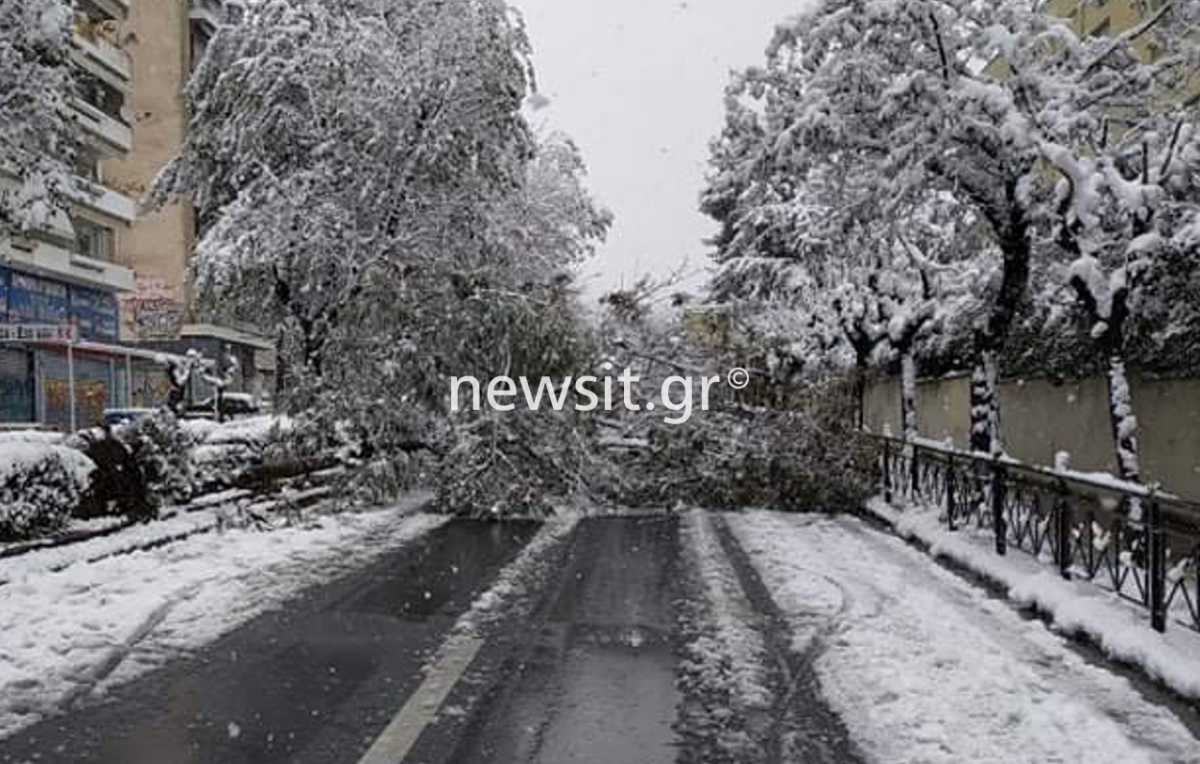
(1140, 543)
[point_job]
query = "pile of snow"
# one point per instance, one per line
(923, 665)
(38, 437)
(734, 645)
(90, 626)
(255, 431)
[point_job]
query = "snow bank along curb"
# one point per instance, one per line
(1073, 607)
(723, 668)
(732, 641)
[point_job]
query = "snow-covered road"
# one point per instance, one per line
(696, 637)
(71, 624)
(925, 666)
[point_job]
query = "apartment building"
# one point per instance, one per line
(118, 274)
(166, 38)
(70, 272)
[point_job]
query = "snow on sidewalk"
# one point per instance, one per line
(62, 633)
(923, 666)
(1120, 628)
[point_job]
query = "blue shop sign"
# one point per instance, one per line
(26, 299)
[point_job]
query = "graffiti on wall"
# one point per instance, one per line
(91, 397)
(153, 310)
(150, 388)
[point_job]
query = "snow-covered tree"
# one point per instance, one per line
(37, 139)
(814, 232)
(1051, 140)
(1127, 212)
(339, 152)
(370, 188)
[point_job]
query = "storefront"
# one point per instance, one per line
(40, 379)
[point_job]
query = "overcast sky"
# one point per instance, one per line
(639, 85)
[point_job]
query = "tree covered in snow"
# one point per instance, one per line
(864, 277)
(1125, 211)
(1062, 147)
(371, 191)
(37, 141)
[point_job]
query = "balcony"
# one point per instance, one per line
(209, 14)
(106, 134)
(116, 9)
(104, 200)
(103, 60)
(48, 256)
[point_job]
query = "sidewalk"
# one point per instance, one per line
(1079, 607)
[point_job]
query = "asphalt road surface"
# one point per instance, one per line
(367, 669)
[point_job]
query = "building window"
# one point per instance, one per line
(100, 95)
(93, 240)
(87, 166)
(200, 41)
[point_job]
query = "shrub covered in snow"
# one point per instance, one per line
(118, 486)
(161, 460)
(164, 450)
(41, 483)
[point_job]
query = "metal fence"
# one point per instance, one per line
(1084, 526)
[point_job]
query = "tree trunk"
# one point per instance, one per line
(908, 396)
(985, 400)
(281, 369)
(860, 396)
(1124, 422)
(1108, 329)
(1012, 229)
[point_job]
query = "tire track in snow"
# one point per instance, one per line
(923, 671)
(742, 647)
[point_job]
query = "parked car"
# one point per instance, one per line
(233, 406)
(114, 417)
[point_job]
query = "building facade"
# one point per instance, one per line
(70, 272)
(116, 273)
(166, 39)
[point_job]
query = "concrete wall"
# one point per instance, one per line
(1040, 418)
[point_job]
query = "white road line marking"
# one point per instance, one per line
(394, 743)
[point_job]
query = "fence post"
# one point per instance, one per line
(1062, 531)
(950, 492)
(887, 471)
(1158, 568)
(914, 474)
(999, 522)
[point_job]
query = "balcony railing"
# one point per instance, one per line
(113, 135)
(106, 200)
(48, 255)
(1081, 524)
(117, 9)
(104, 59)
